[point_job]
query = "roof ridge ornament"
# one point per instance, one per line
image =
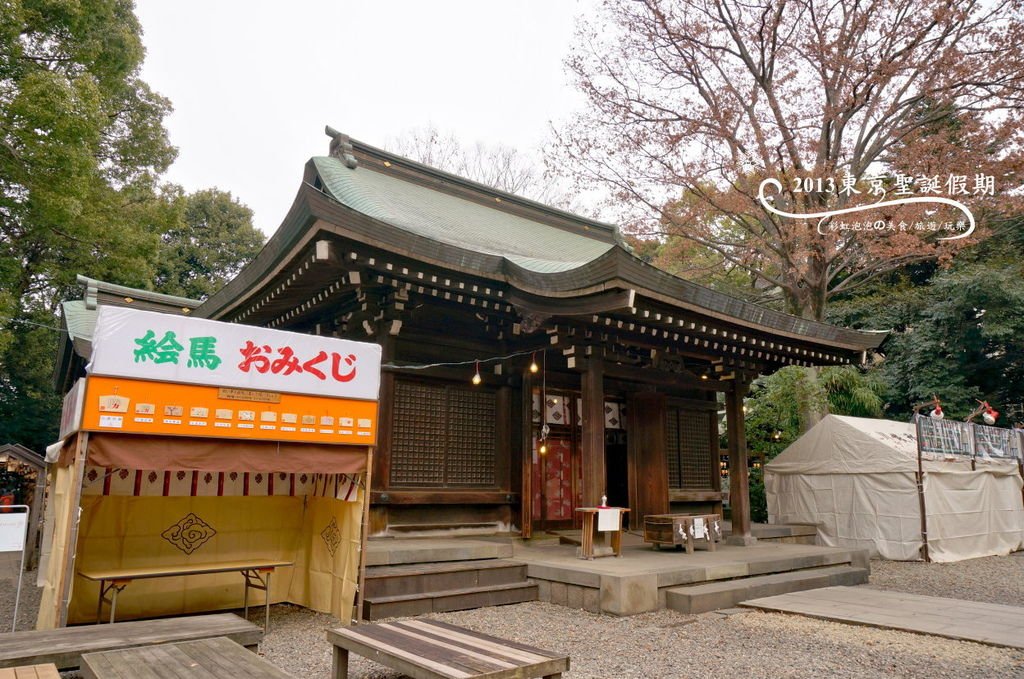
(341, 147)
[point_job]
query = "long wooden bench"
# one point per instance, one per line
(64, 647)
(431, 649)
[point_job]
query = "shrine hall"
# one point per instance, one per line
(532, 363)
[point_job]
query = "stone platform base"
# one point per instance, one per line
(639, 580)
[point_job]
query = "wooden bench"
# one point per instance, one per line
(47, 671)
(677, 529)
(64, 647)
(218, 658)
(256, 573)
(430, 649)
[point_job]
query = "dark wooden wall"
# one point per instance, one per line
(645, 437)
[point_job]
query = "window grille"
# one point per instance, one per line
(688, 447)
(442, 436)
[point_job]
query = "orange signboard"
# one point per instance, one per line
(118, 404)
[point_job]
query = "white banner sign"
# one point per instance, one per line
(147, 345)
(12, 531)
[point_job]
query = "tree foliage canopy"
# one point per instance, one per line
(82, 143)
(692, 103)
(82, 150)
(208, 246)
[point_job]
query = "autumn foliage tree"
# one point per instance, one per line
(691, 105)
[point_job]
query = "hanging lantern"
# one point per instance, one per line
(476, 376)
(990, 415)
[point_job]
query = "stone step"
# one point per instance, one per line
(394, 551)
(385, 581)
(713, 596)
(449, 600)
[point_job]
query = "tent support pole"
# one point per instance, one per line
(357, 616)
(75, 516)
(920, 494)
(1020, 470)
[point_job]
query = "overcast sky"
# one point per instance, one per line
(253, 83)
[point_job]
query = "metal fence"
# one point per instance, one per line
(951, 439)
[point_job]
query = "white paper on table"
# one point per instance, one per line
(608, 519)
(700, 529)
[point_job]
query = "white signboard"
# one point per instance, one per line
(71, 415)
(152, 346)
(12, 531)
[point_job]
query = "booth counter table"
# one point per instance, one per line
(590, 515)
(256, 572)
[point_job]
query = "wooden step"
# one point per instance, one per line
(377, 608)
(384, 581)
(713, 596)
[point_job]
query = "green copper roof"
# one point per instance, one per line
(80, 320)
(449, 219)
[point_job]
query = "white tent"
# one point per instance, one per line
(856, 479)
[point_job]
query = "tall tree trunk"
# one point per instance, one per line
(812, 407)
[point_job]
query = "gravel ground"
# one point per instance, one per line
(992, 579)
(669, 645)
(28, 605)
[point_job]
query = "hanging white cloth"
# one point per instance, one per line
(608, 519)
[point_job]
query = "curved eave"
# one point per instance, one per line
(616, 269)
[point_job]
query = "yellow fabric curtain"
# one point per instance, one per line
(327, 563)
(319, 535)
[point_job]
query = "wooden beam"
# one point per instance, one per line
(603, 302)
(444, 497)
(664, 378)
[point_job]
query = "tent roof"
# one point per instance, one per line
(858, 445)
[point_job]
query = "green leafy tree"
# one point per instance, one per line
(82, 145)
(956, 332)
(961, 341)
(208, 246)
(781, 407)
(29, 406)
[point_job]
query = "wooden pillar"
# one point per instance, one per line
(380, 474)
(739, 479)
(594, 472)
(526, 448)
